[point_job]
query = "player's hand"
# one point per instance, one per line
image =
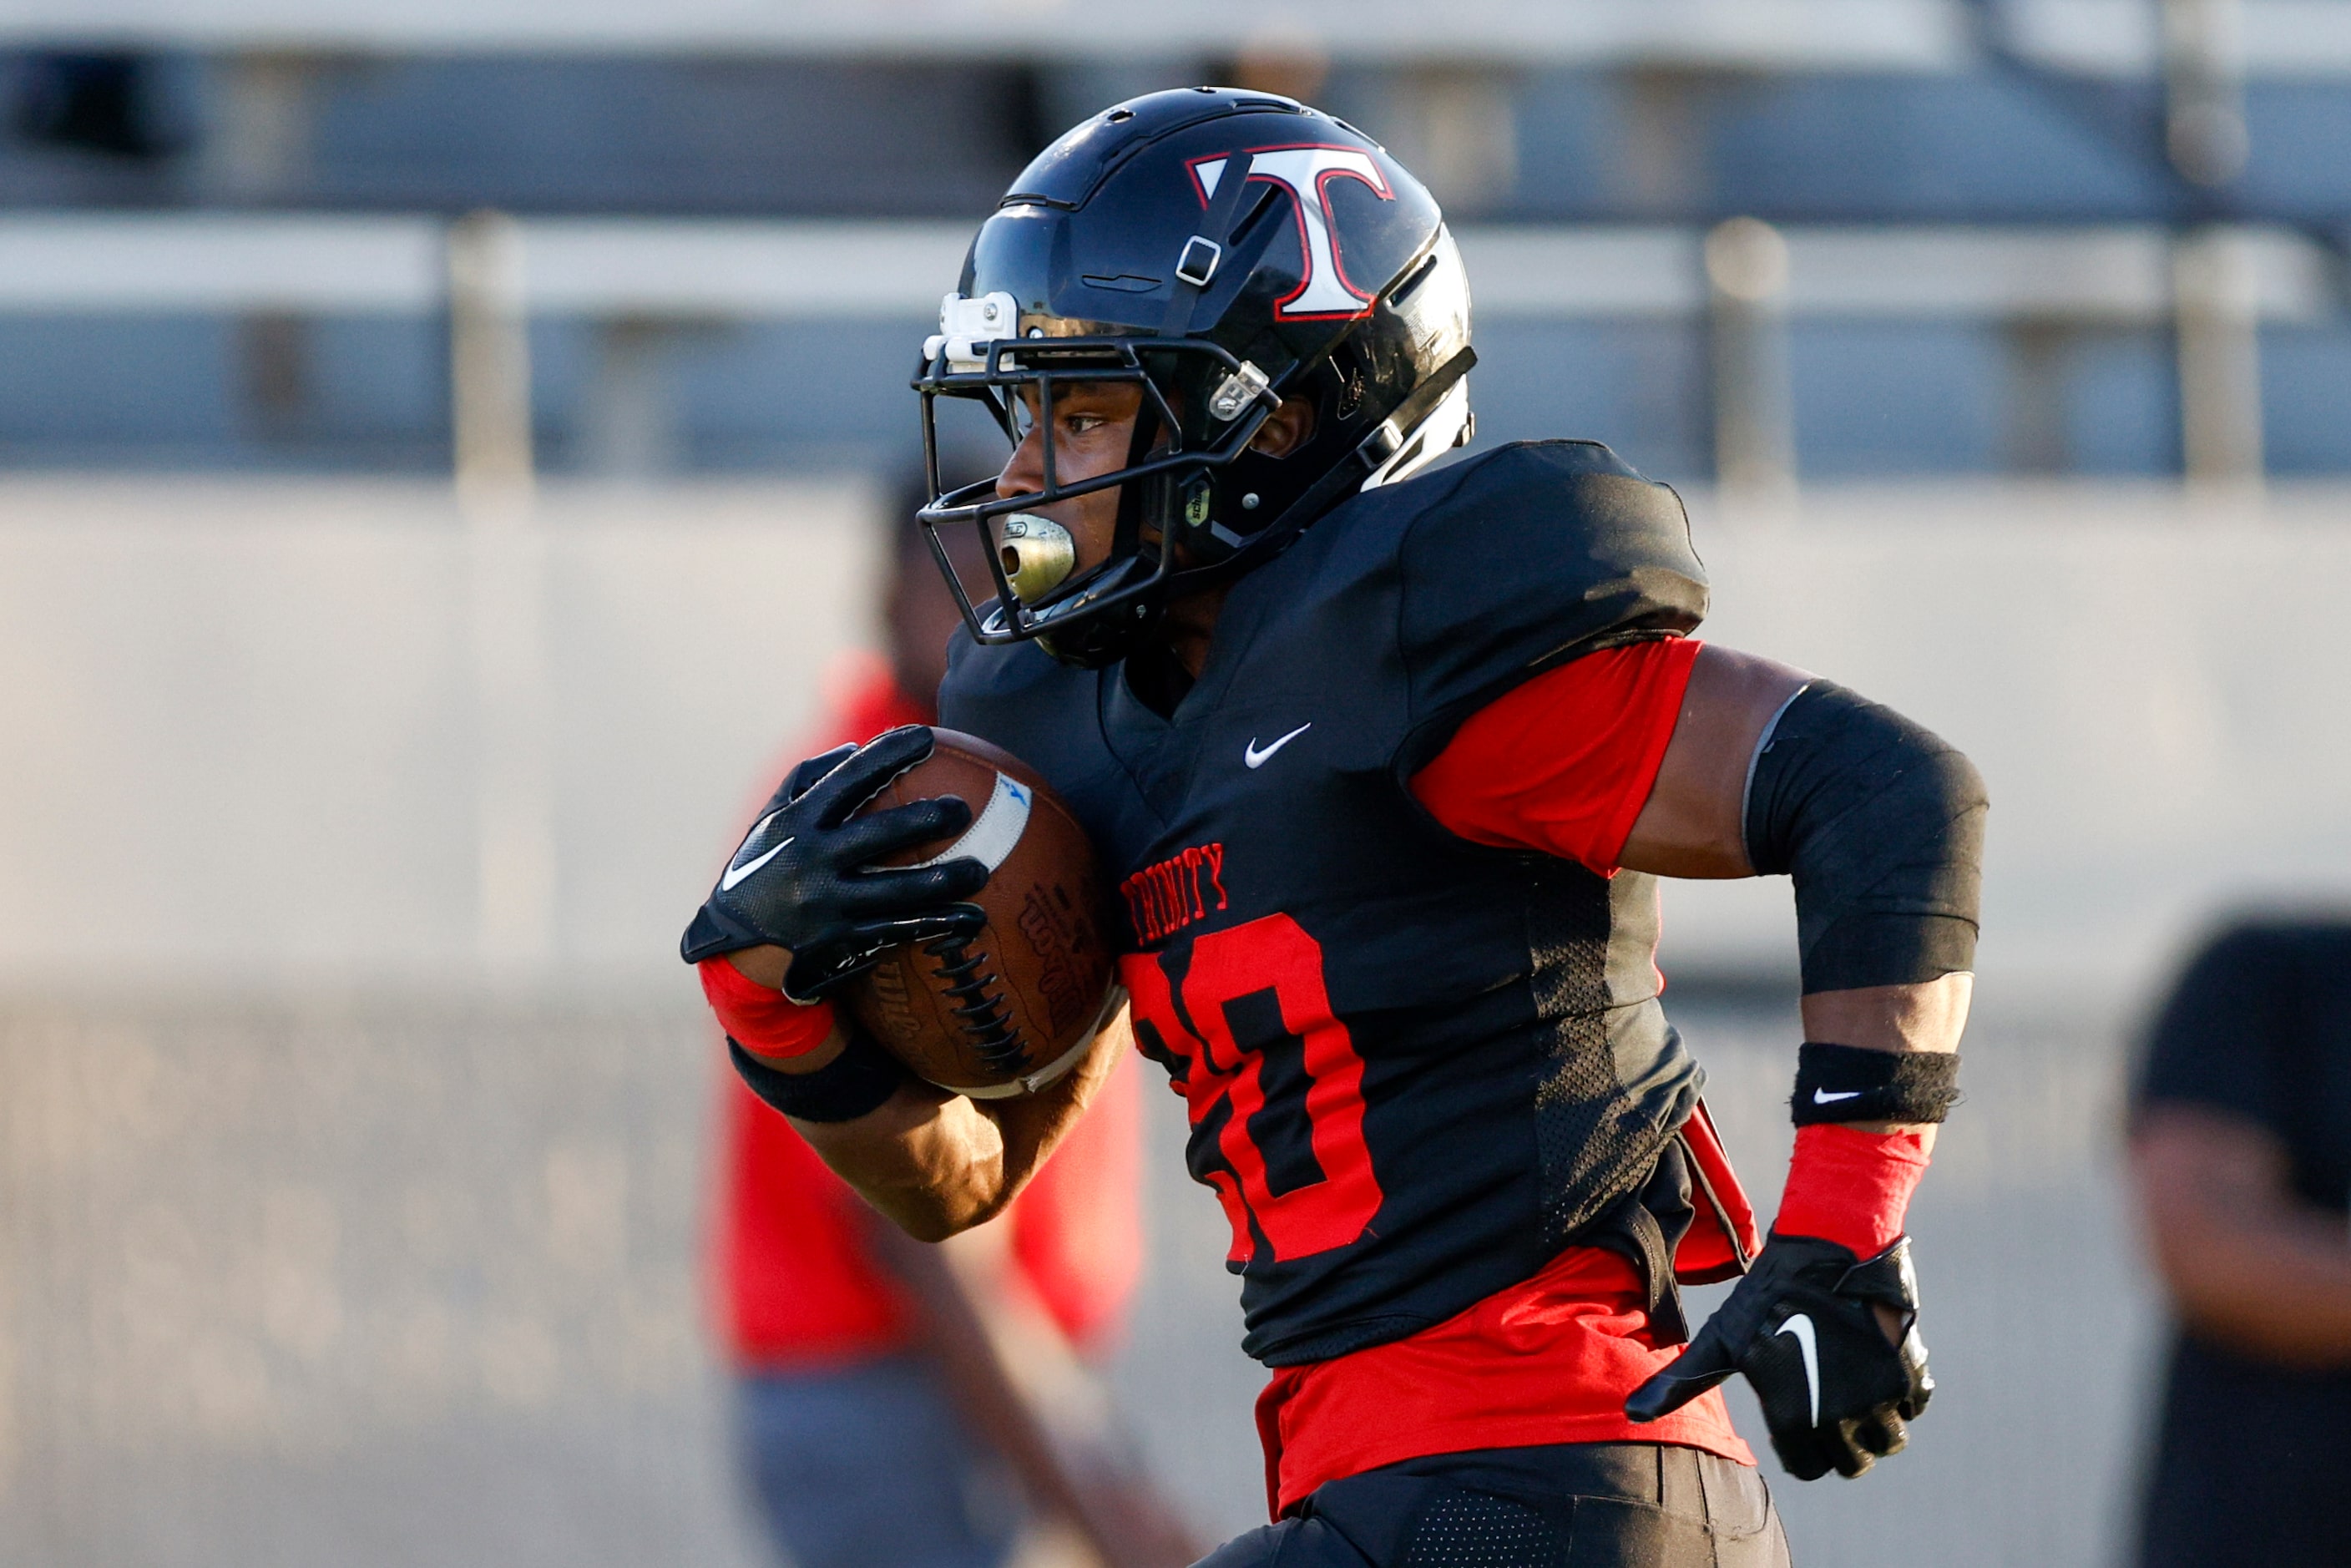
(804, 878)
(1829, 1341)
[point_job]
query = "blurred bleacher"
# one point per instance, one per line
(2015, 116)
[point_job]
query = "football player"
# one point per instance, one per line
(1385, 762)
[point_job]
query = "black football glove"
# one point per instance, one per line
(804, 877)
(1802, 1326)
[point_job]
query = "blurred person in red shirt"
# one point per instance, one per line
(850, 1344)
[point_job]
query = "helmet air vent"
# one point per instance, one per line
(1420, 274)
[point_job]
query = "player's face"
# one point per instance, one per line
(1093, 428)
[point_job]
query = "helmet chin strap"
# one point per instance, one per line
(1128, 534)
(1204, 252)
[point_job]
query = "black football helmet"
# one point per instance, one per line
(1224, 250)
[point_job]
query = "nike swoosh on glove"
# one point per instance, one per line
(804, 878)
(1802, 1327)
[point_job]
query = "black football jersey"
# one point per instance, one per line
(1416, 1066)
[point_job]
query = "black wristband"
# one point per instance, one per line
(1846, 1083)
(849, 1086)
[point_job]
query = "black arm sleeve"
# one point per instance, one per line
(1881, 825)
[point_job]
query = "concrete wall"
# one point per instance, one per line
(242, 732)
(244, 737)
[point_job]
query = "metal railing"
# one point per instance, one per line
(2216, 285)
(2096, 38)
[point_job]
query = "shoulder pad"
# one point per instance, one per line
(978, 677)
(1525, 557)
(1014, 696)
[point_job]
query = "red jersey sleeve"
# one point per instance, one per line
(1564, 763)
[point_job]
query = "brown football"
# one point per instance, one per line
(1007, 1010)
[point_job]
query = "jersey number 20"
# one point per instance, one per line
(1257, 1036)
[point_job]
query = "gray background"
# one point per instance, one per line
(379, 1280)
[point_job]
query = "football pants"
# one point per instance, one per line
(1569, 1505)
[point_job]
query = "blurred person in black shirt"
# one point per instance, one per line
(2240, 1151)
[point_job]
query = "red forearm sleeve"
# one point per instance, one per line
(760, 1019)
(1850, 1186)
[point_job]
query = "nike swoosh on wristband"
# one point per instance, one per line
(735, 874)
(1823, 1097)
(1799, 1327)
(1256, 759)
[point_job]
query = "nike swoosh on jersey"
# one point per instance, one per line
(1799, 1327)
(735, 874)
(1823, 1097)
(1256, 759)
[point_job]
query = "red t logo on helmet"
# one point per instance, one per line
(1324, 292)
